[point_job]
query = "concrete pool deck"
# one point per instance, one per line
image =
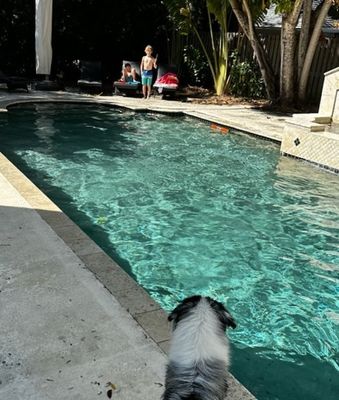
(240, 117)
(71, 319)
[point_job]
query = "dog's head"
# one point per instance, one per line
(188, 305)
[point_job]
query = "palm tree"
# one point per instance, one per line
(294, 71)
(247, 14)
(183, 15)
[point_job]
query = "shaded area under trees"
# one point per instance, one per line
(105, 30)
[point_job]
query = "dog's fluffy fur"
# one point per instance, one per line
(199, 353)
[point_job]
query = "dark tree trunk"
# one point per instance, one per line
(287, 66)
(288, 77)
(246, 22)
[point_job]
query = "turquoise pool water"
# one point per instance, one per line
(186, 210)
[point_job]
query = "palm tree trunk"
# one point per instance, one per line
(204, 49)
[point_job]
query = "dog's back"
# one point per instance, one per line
(204, 381)
(199, 354)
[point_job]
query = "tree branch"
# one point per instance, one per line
(304, 34)
(312, 48)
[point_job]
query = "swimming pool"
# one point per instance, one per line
(185, 210)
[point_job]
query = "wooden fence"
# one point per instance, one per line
(325, 58)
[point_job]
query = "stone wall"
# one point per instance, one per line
(321, 148)
(329, 104)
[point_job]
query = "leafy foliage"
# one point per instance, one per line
(284, 6)
(17, 54)
(104, 30)
(187, 16)
(245, 78)
(198, 72)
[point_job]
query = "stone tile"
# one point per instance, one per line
(329, 94)
(165, 346)
(55, 219)
(70, 232)
(129, 294)
(236, 391)
(83, 246)
(40, 201)
(318, 147)
(155, 324)
(336, 108)
(114, 277)
(135, 299)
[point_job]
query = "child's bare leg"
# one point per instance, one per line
(144, 90)
(149, 91)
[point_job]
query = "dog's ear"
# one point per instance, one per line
(223, 314)
(177, 313)
(183, 308)
(228, 320)
(173, 315)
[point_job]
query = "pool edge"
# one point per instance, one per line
(152, 106)
(130, 295)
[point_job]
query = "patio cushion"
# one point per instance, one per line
(167, 81)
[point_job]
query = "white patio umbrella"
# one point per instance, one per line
(43, 36)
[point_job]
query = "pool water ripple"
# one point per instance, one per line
(186, 210)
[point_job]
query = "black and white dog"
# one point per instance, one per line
(199, 352)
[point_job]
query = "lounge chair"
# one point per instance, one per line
(90, 76)
(47, 85)
(14, 82)
(128, 88)
(167, 82)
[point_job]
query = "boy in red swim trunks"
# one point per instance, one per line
(146, 67)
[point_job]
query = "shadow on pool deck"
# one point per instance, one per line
(62, 334)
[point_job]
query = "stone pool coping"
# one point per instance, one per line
(146, 312)
(243, 118)
(132, 297)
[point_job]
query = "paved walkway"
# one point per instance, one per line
(71, 319)
(62, 334)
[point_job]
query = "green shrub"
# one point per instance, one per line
(197, 69)
(245, 78)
